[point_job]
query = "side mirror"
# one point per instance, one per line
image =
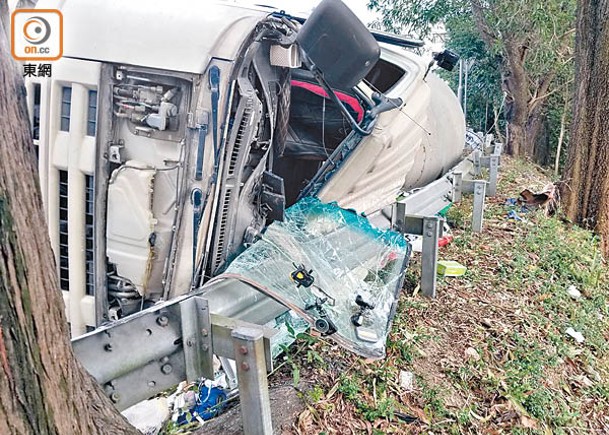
(446, 59)
(339, 44)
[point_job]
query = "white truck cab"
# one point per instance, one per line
(171, 134)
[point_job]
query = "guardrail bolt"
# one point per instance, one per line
(162, 321)
(115, 397)
(243, 350)
(205, 347)
(245, 366)
(166, 369)
(190, 342)
(204, 332)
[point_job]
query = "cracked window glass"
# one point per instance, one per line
(333, 268)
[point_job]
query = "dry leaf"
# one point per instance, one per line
(528, 422)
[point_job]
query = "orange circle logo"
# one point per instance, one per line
(36, 30)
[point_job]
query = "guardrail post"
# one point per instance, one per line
(398, 212)
(253, 384)
(493, 173)
(488, 140)
(457, 186)
(429, 255)
(477, 165)
(478, 212)
(196, 337)
(498, 149)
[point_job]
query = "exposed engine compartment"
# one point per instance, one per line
(145, 163)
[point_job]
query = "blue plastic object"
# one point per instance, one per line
(213, 398)
(513, 215)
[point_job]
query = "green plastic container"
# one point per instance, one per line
(450, 268)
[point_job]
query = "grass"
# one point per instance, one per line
(490, 354)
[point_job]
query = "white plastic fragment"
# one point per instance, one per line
(576, 335)
(573, 292)
(407, 381)
(148, 416)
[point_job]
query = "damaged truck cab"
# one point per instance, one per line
(172, 134)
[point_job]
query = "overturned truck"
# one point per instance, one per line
(234, 152)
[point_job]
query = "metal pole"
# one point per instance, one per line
(477, 165)
(493, 174)
(457, 186)
(397, 216)
(429, 255)
(465, 91)
(460, 87)
(478, 212)
(253, 384)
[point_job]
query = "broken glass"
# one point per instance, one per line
(332, 267)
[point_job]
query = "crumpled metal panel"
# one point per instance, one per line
(350, 262)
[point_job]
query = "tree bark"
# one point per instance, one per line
(525, 103)
(542, 144)
(524, 112)
(43, 389)
(586, 190)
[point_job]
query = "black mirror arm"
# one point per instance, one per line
(381, 103)
(322, 81)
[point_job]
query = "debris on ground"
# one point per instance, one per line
(472, 354)
(573, 292)
(514, 216)
(148, 416)
(547, 198)
(450, 268)
(197, 401)
(577, 336)
(407, 381)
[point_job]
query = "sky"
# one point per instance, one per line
(359, 7)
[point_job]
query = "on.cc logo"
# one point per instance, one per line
(36, 30)
(37, 34)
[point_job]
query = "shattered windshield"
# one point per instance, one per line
(332, 267)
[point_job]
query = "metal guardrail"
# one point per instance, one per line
(155, 349)
(417, 213)
(148, 352)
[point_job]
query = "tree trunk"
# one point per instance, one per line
(515, 86)
(542, 144)
(586, 191)
(524, 112)
(43, 389)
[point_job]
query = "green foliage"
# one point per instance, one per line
(316, 393)
(354, 389)
(497, 37)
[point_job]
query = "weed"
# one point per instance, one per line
(316, 393)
